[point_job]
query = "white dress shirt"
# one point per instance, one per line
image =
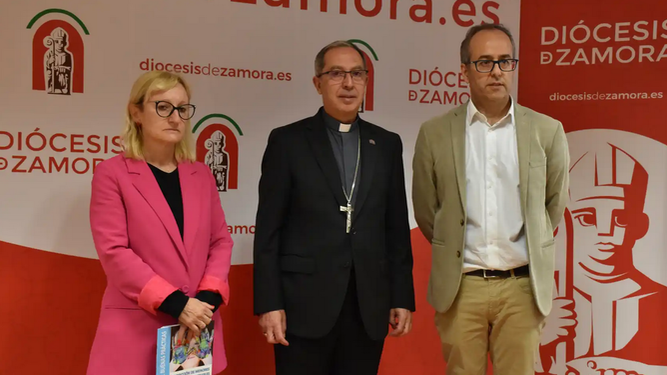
(495, 235)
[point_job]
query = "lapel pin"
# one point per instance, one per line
(371, 141)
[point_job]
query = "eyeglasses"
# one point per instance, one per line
(486, 66)
(165, 109)
(339, 75)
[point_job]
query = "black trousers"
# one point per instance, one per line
(346, 350)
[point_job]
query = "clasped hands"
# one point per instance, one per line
(196, 315)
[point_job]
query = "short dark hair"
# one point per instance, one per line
(319, 59)
(465, 45)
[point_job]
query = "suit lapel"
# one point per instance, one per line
(145, 182)
(321, 146)
(523, 130)
(458, 137)
(192, 193)
(369, 152)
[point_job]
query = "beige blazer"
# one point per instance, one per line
(439, 197)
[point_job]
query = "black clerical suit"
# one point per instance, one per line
(336, 288)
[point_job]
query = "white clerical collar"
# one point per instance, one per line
(344, 128)
(337, 125)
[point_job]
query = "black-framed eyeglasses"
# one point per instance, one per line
(165, 109)
(358, 75)
(486, 66)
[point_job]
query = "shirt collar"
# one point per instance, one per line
(472, 112)
(334, 124)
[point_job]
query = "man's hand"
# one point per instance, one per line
(274, 326)
(401, 321)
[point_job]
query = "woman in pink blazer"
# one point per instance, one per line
(160, 234)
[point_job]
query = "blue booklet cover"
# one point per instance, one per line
(180, 352)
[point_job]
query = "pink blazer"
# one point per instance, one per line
(140, 248)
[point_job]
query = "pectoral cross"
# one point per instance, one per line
(349, 210)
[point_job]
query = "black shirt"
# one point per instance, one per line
(170, 185)
(345, 147)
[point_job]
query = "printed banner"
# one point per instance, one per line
(601, 70)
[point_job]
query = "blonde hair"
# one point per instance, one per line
(144, 87)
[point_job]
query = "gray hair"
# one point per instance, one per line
(319, 59)
(465, 45)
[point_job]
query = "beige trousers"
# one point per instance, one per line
(496, 316)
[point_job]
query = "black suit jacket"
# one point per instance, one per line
(302, 255)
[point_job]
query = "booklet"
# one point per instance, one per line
(180, 352)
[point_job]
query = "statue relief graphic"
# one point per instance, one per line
(58, 63)
(217, 159)
(607, 310)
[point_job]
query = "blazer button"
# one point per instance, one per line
(458, 254)
(186, 289)
(462, 222)
(346, 264)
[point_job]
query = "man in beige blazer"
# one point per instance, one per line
(490, 184)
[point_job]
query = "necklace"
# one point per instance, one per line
(348, 208)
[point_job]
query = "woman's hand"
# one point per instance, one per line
(196, 315)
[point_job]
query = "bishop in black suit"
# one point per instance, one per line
(332, 253)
